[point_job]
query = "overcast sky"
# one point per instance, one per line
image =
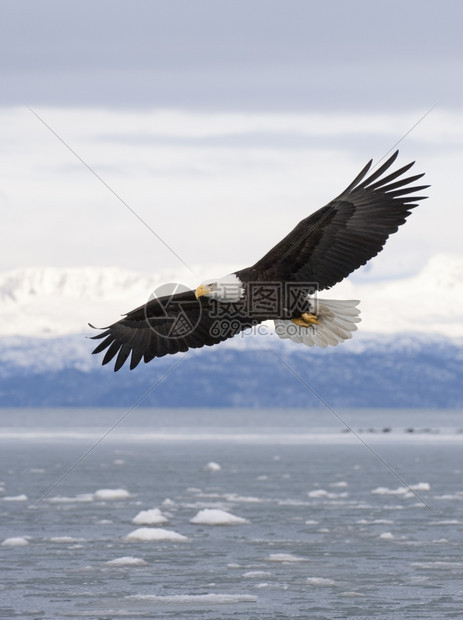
(240, 55)
(220, 123)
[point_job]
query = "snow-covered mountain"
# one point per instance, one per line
(408, 351)
(50, 302)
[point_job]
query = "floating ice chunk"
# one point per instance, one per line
(318, 493)
(256, 574)
(214, 516)
(320, 581)
(127, 561)
(156, 534)
(63, 499)
(327, 494)
(233, 497)
(17, 541)
(111, 494)
(457, 495)
(386, 491)
(342, 484)
(437, 564)
(212, 466)
(351, 594)
(311, 522)
(421, 486)
(387, 536)
(285, 557)
(168, 502)
(150, 517)
(65, 539)
(201, 599)
(375, 522)
(15, 498)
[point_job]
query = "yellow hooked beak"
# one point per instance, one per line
(202, 290)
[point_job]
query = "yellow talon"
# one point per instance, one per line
(306, 319)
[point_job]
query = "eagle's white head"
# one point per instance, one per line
(228, 289)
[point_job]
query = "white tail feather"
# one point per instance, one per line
(336, 321)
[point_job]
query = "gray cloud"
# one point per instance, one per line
(216, 54)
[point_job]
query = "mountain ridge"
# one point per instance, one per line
(49, 302)
(412, 370)
(408, 351)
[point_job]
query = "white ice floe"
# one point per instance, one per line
(326, 494)
(458, 495)
(152, 516)
(15, 541)
(387, 536)
(386, 491)
(65, 539)
(127, 561)
(106, 494)
(101, 494)
(212, 466)
(64, 499)
(320, 582)
(201, 599)
(441, 565)
(256, 574)
(421, 486)
(247, 499)
(285, 557)
(155, 534)
(375, 522)
(214, 516)
(15, 498)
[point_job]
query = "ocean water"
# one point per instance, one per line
(325, 529)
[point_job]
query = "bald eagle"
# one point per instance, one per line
(323, 249)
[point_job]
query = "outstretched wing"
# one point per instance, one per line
(166, 325)
(337, 239)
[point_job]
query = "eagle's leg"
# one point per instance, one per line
(306, 319)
